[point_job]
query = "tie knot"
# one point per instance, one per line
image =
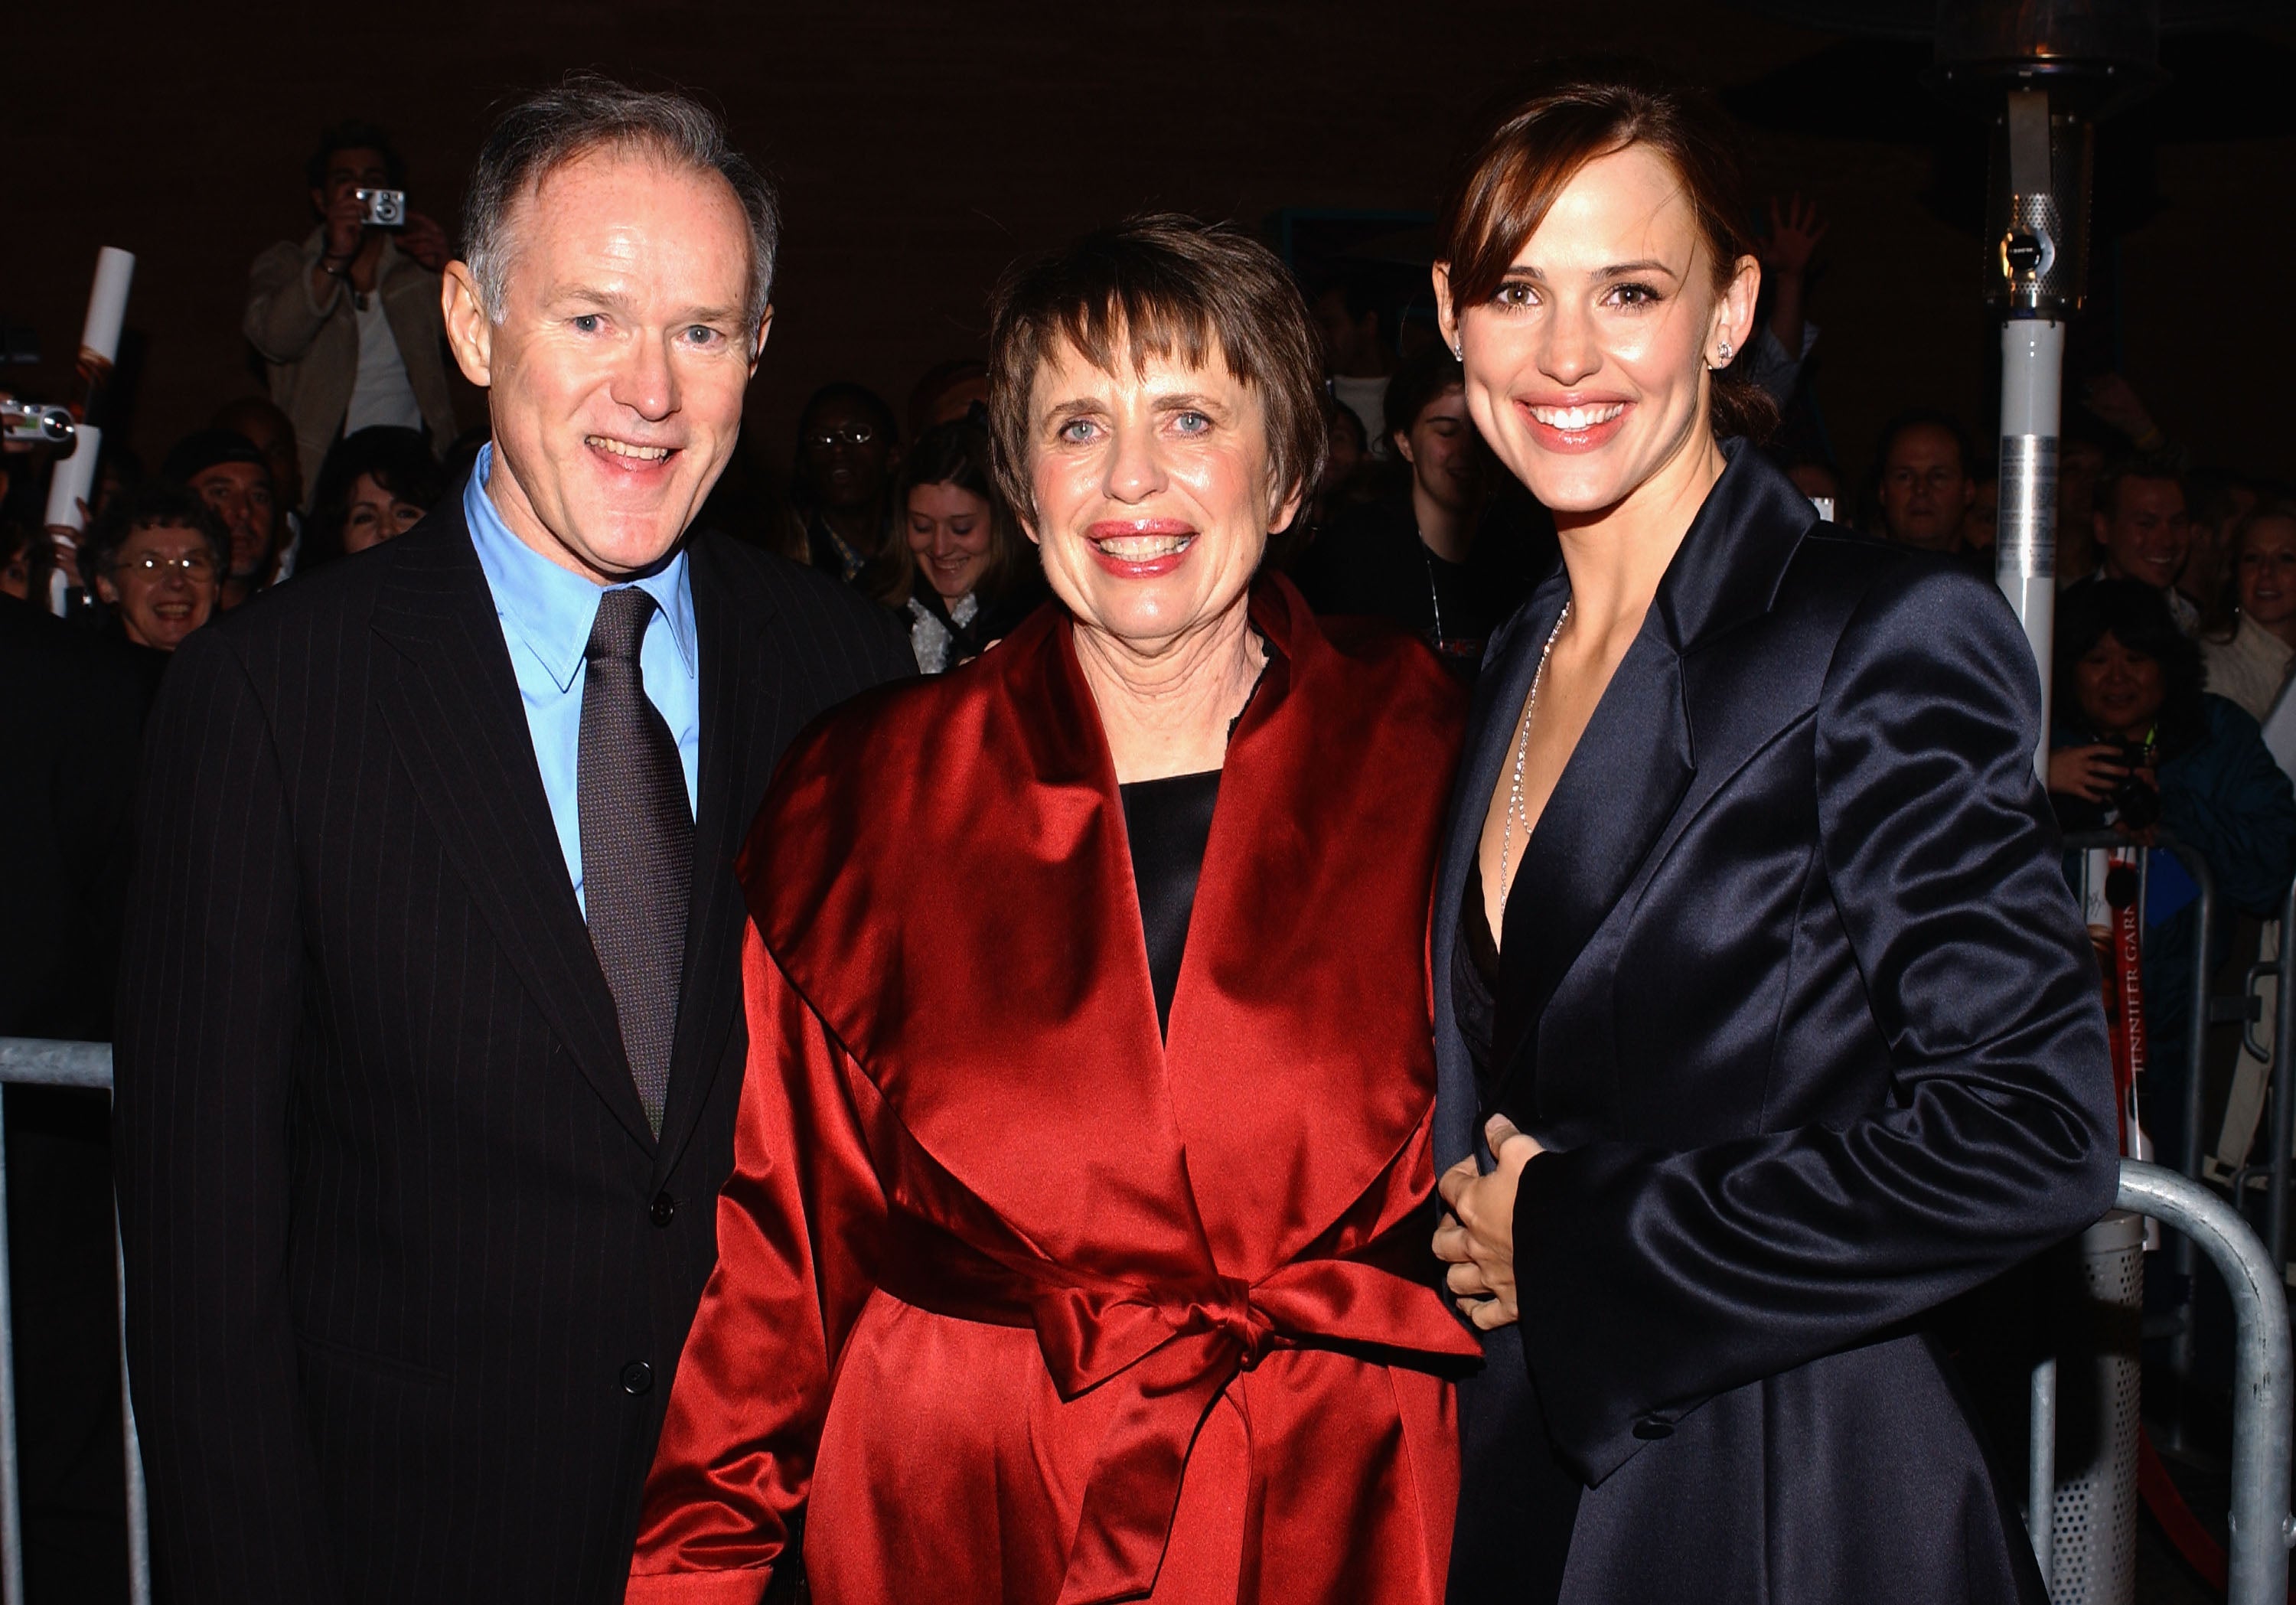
(623, 615)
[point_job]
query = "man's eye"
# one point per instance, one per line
(701, 334)
(588, 323)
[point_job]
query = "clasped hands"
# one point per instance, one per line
(1477, 1237)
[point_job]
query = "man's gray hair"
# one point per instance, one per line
(589, 113)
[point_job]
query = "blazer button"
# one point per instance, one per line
(1650, 1429)
(637, 1377)
(664, 1210)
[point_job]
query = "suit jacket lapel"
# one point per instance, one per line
(1491, 726)
(452, 708)
(1637, 757)
(740, 697)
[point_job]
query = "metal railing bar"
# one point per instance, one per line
(2283, 1088)
(38, 1062)
(2264, 1373)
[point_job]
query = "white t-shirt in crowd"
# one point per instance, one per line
(380, 395)
(1366, 398)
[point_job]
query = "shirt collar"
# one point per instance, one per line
(552, 608)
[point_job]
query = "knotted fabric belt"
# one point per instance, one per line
(1172, 1348)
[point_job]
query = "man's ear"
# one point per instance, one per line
(470, 331)
(319, 201)
(758, 345)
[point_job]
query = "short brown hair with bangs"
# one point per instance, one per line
(1159, 285)
(1529, 144)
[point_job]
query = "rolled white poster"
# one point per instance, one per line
(72, 483)
(107, 304)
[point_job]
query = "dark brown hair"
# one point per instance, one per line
(1528, 146)
(1159, 285)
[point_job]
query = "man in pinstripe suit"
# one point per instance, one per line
(431, 1037)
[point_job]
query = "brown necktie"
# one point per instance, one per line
(637, 841)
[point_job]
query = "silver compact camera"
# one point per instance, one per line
(33, 424)
(385, 209)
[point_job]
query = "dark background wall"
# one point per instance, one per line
(921, 147)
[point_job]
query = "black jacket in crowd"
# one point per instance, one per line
(407, 1271)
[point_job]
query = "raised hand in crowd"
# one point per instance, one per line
(1796, 228)
(2112, 398)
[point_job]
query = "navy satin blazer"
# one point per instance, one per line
(1793, 986)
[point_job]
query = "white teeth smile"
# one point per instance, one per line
(622, 448)
(1572, 420)
(1143, 548)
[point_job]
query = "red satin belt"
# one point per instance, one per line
(1173, 1347)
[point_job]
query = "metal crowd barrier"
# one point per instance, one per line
(2264, 1382)
(72, 1064)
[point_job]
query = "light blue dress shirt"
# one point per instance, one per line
(546, 612)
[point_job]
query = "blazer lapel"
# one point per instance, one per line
(1637, 757)
(456, 720)
(1512, 660)
(1613, 800)
(740, 698)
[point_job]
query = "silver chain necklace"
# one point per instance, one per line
(1521, 752)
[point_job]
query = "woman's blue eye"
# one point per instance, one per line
(1076, 430)
(1192, 423)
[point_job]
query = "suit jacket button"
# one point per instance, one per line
(637, 1377)
(1650, 1429)
(664, 1210)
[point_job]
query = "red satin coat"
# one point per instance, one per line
(1029, 1304)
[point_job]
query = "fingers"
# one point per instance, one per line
(1451, 1244)
(1488, 1314)
(1455, 1181)
(1467, 1282)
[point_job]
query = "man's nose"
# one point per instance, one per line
(645, 382)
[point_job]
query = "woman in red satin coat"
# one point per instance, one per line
(1075, 1249)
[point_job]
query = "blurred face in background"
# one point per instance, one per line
(1587, 373)
(376, 514)
(845, 445)
(1925, 489)
(1153, 504)
(163, 581)
(242, 494)
(2146, 535)
(950, 536)
(2120, 692)
(1981, 524)
(1444, 452)
(2266, 573)
(615, 368)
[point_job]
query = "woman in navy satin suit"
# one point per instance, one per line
(1766, 1023)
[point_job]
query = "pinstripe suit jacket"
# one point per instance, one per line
(407, 1271)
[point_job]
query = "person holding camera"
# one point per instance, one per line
(347, 322)
(2140, 747)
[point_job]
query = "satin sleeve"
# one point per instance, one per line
(752, 1385)
(1652, 1281)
